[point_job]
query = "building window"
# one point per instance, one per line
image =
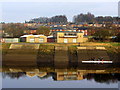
(41, 39)
(65, 40)
(74, 40)
(32, 40)
(70, 34)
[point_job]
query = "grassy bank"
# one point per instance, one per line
(5, 47)
(48, 48)
(45, 56)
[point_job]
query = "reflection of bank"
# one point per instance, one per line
(68, 76)
(61, 59)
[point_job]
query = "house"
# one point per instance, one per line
(30, 31)
(56, 29)
(33, 38)
(68, 37)
(82, 29)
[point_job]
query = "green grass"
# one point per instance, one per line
(72, 49)
(115, 44)
(46, 49)
(112, 43)
(6, 45)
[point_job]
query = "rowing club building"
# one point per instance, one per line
(56, 37)
(33, 38)
(68, 37)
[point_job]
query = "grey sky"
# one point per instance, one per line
(35, 82)
(21, 11)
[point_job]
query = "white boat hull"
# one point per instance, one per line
(97, 61)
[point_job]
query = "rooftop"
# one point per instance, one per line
(32, 35)
(68, 31)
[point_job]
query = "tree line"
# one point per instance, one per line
(55, 19)
(77, 19)
(90, 18)
(17, 30)
(101, 34)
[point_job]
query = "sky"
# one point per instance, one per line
(19, 11)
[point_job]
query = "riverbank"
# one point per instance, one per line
(112, 48)
(44, 53)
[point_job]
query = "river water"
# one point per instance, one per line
(57, 78)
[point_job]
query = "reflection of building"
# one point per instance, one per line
(42, 74)
(32, 74)
(34, 38)
(69, 76)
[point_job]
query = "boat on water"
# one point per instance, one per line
(97, 62)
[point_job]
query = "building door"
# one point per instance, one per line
(65, 40)
(74, 40)
(32, 40)
(41, 40)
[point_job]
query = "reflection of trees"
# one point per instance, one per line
(13, 75)
(104, 78)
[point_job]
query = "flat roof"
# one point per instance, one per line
(32, 35)
(68, 31)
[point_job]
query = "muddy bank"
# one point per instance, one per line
(114, 53)
(44, 57)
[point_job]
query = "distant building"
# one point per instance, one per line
(30, 31)
(82, 29)
(56, 29)
(70, 29)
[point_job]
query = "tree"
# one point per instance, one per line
(102, 34)
(40, 20)
(43, 30)
(14, 30)
(117, 39)
(59, 19)
(54, 19)
(84, 18)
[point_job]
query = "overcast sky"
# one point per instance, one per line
(27, 9)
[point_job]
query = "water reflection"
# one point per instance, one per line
(62, 74)
(45, 65)
(39, 67)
